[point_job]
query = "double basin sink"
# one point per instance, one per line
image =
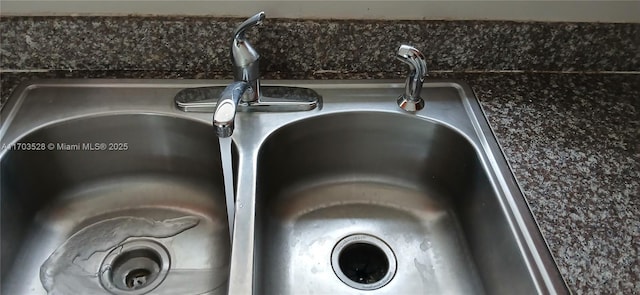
(108, 188)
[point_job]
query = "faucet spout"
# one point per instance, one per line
(225, 113)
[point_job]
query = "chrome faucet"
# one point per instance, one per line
(246, 93)
(225, 114)
(246, 60)
(411, 101)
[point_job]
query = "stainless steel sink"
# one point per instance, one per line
(402, 180)
(355, 196)
(416, 185)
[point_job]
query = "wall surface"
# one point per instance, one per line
(518, 10)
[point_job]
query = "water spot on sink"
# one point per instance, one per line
(427, 275)
(425, 245)
(319, 242)
(193, 282)
(73, 268)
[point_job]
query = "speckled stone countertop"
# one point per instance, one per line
(573, 142)
(572, 139)
(200, 44)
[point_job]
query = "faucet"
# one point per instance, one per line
(246, 60)
(246, 73)
(411, 101)
(245, 93)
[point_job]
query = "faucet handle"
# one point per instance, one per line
(242, 53)
(255, 20)
(411, 101)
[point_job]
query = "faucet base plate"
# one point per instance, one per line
(272, 99)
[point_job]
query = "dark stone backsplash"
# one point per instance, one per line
(201, 44)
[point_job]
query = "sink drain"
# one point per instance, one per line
(135, 268)
(363, 262)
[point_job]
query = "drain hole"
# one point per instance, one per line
(135, 268)
(137, 278)
(363, 263)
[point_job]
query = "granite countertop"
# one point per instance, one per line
(573, 142)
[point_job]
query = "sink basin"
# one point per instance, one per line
(108, 187)
(417, 186)
(116, 202)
